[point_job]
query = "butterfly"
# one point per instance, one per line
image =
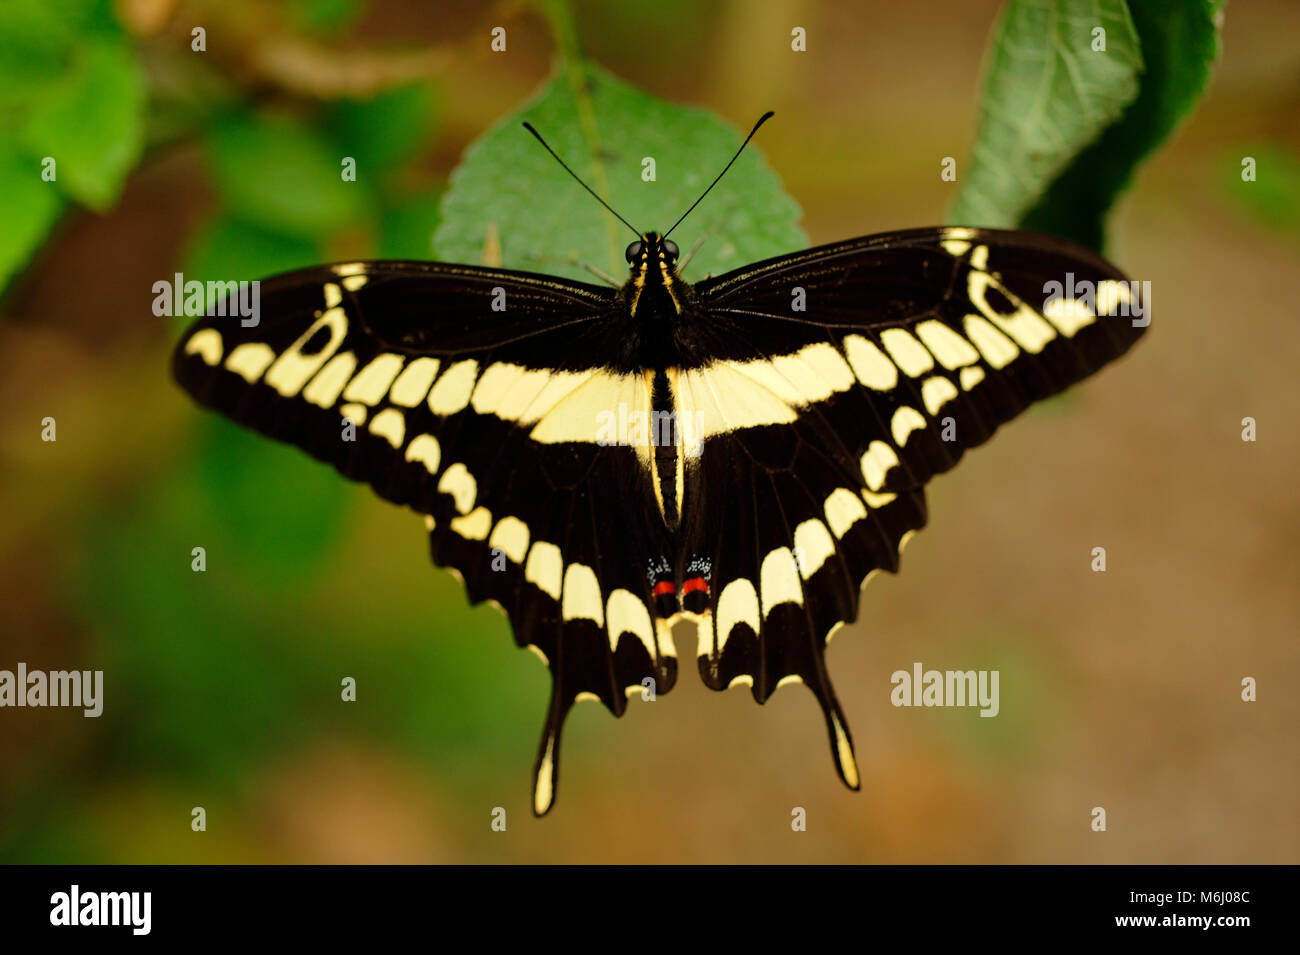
(743, 452)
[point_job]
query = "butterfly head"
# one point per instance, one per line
(652, 251)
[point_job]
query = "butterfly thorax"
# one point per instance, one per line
(658, 303)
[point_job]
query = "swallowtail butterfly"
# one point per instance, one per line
(744, 451)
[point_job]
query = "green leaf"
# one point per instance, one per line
(91, 121)
(1180, 42)
(36, 50)
(280, 174)
(385, 130)
(1047, 94)
(509, 187)
(32, 206)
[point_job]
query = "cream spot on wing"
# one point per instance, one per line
(844, 750)
(390, 425)
(354, 413)
(876, 464)
(511, 537)
(970, 377)
(997, 349)
(514, 393)
(350, 268)
(249, 360)
(333, 295)
(545, 567)
(813, 544)
(582, 595)
(544, 786)
(452, 391)
(496, 382)
(843, 510)
(1069, 315)
(425, 449)
(738, 604)
(772, 379)
(664, 636)
(908, 354)
(812, 374)
(473, 526)
(870, 364)
(955, 247)
(413, 383)
(205, 343)
(586, 696)
(371, 383)
(1025, 325)
(354, 282)
(628, 614)
(582, 413)
(540, 655)
(705, 637)
(719, 398)
(936, 392)
(788, 680)
(429, 522)
(460, 484)
(951, 349)
(325, 388)
(876, 501)
(741, 679)
(779, 581)
(827, 364)
(525, 395)
(905, 421)
(293, 369)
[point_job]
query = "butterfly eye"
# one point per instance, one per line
(671, 248)
(633, 251)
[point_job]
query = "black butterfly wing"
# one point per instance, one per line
(841, 380)
(470, 396)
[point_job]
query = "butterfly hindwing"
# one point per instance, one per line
(844, 378)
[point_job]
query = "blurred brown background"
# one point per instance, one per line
(1119, 690)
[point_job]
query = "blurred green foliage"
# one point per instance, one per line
(1272, 196)
(71, 91)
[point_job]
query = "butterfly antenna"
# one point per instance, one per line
(529, 127)
(761, 120)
